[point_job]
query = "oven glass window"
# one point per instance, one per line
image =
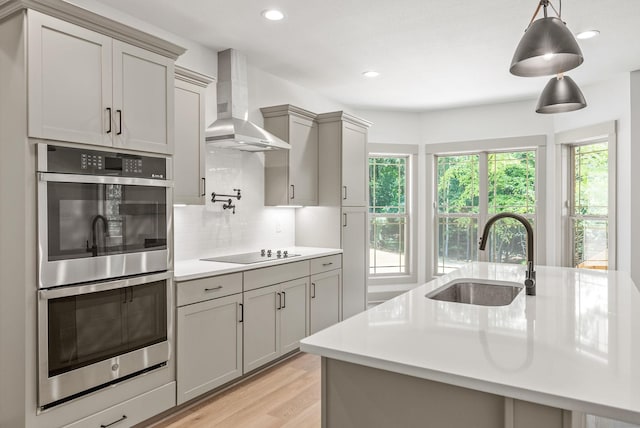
(92, 327)
(91, 220)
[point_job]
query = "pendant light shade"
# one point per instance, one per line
(560, 95)
(547, 48)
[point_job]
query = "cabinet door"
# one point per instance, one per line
(293, 314)
(354, 166)
(142, 99)
(209, 345)
(324, 309)
(355, 249)
(303, 162)
(69, 82)
(261, 338)
(188, 160)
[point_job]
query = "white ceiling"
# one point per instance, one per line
(431, 54)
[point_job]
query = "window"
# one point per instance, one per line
(588, 208)
(472, 187)
(458, 211)
(388, 215)
(587, 166)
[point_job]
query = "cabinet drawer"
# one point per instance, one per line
(199, 290)
(275, 274)
(324, 264)
(132, 411)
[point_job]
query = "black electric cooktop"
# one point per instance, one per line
(256, 257)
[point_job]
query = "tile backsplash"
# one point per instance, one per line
(209, 230)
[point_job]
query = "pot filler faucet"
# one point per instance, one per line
(530, 279)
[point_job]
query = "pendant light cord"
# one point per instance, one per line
(544, 4)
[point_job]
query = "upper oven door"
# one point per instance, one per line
(96, 227)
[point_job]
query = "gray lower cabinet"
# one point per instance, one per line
(209, 345)
(324, 306)
(293, 315)
(261, 339)
(275, 319)
(229, 325)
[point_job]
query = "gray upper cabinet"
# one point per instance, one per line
(291, 176)
(189, 157)
(87, 87)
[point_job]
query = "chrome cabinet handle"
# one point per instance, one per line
(204, 187)
(119, 112)
(109, 111)
(279, 301)
(344, 222)
(219, 287)
(327, 264)
(114, 422)
(284, 299)
(344, 192)
(293, 191)
(313, 290)
(241, 312)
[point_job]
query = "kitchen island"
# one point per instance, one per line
(541, 361)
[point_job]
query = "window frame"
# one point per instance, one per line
(537, 143)
(410, 151)
(565, 141)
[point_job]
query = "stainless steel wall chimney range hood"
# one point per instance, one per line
(232, 129)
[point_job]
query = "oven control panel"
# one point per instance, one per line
(72, 160)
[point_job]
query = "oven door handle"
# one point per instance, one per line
(101, 179)
(76, 290)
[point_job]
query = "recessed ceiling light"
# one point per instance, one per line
(370, 73)
(589, 34)
(273, 14)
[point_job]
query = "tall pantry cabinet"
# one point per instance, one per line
(71, 76)
(341, 219)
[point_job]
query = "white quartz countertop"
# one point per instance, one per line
(575, 345)
(186, 270)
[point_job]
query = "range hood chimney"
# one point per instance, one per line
(232, 129)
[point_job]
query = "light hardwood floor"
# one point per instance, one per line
(286, 395)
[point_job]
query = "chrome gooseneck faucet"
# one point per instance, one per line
(530, 279)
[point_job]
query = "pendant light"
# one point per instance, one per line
(560, 95)
(547, 47)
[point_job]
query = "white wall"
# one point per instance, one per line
(392, 127)
(513, 119)
(210, 230)
(267, 90)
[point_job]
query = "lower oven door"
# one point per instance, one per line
(97, 334)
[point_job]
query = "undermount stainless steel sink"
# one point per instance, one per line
(477, 292)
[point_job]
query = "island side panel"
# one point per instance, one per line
(358, 396)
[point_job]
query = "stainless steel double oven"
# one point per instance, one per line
(105, 288)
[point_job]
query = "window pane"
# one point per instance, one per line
(387, 240)
(590, 240)
(511, 182)
(591, 179)
(458, 185)
(387, 184)
(508, 241)
(457, 242)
